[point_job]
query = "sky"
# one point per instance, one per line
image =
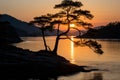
(104, 11)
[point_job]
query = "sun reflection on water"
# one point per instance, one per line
(72, 51)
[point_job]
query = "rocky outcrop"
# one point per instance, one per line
(18, 63)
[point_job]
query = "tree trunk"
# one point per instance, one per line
(56, 41)
(58, 38)
(56, 45)
(43, 35)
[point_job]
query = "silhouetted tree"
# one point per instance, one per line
(44, 23)
(71, 12)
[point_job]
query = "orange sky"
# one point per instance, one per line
(104, 10)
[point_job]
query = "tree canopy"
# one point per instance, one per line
(70, 12)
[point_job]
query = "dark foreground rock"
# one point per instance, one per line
(18, 64)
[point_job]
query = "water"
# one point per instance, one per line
(108, 63)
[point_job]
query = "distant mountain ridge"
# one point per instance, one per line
(110, 31)
(22, 28)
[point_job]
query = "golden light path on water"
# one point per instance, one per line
(72, 51)
(109, 62)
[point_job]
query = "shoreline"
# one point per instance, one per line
(17, 62)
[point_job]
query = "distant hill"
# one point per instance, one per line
(22, 28)
(110, 31)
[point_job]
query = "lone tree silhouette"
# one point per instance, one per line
(70, 13)
(44, 23)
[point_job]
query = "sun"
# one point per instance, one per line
(72, 25)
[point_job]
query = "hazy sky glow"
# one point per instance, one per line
(104, 10)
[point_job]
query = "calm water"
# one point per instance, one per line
(109, 62)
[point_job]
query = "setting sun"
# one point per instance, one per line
(72, 25)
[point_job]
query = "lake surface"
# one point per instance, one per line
(108, 63)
